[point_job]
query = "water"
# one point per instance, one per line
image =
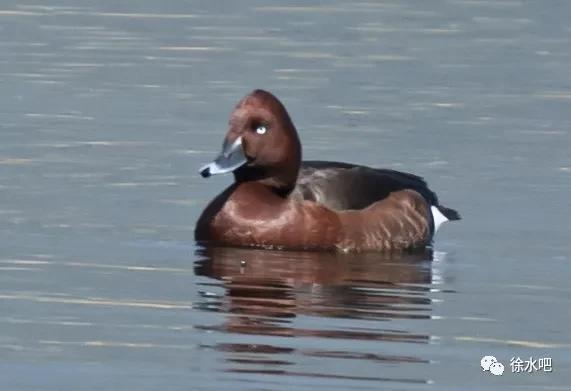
(109, 109)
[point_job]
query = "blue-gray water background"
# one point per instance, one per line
(108, 109)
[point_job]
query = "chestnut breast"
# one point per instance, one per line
(253, 215)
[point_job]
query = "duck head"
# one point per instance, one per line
(261, 144)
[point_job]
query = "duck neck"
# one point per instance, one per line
(279, 181)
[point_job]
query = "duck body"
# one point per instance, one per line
(279, 202)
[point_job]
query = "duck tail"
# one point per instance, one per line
(449, 213)
(441, 214)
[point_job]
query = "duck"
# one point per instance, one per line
(277, 201)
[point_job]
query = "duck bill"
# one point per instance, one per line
(231, 158)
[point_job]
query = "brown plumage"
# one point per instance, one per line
(279, 202)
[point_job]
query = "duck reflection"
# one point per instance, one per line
(316, 294)
(265, 289)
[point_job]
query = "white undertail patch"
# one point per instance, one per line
(438, 217)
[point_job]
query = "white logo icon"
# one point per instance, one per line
(497, 369)
(486, 362)
(490, 363)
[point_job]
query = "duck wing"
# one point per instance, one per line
(343, 186)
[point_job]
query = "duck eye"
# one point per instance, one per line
(261, 129)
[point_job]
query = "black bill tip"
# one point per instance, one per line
(205, 172)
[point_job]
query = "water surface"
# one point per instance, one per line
(108, 110)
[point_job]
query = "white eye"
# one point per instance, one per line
(261, 129)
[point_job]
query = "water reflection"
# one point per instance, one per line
(281, 293)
